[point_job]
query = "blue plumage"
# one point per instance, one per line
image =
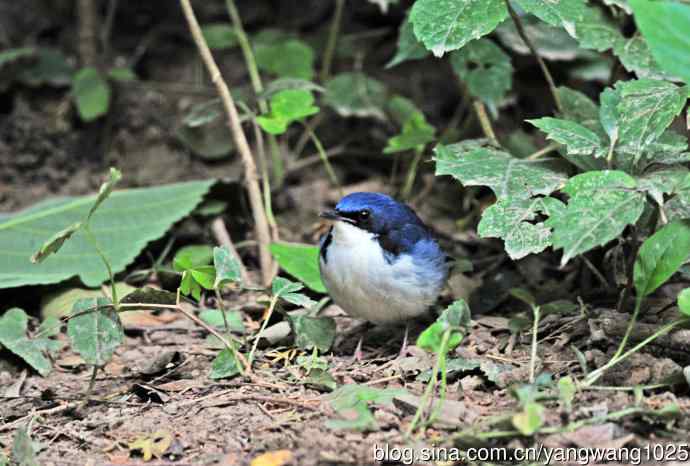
(379, 261)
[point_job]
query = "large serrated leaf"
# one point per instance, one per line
(578, 139)
(474, 164)
(356, 95)
(513, 220)
(594, 32)
(124, 223)
(601, 205)
(563, 13)
(446, 25)
(485, 69)
(635, 56)
(666, 26)
(96, 330)
(646, 108)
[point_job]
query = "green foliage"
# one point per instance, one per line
(446, 25)
(214, 317)
(356, 95)
(300, 261)
(665, 26)
(530, 419)
(486, 70)
(95, 330)
(13, 328)
(286, 107)
(353, 401)
(415, 134)
(313, 332)
(578, 139)
(227, 267)
(123, 225)
(24, 449)
(563, 13)
(290, 58)
(660, 256)
(219, 36)
(92, 93)
(409, 48)
(684, 302)
(455, 320)
(225, 365)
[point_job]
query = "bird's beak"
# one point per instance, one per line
(333, 215)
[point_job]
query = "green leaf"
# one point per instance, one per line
(122, 74)
(92, 93)
(96, 334)
(551, 43)
(514, 220)
(227, 267)
(195, 255)
(409, 48)
(636, 57)
(485, 69)
(123, 225)
(105, 190)
(684, 302)
(313, 332)
(663, 181)
(214, 317)
(13, 326)
(52, 68)
(289, 84)
(400, 109)
(577, 139)
(577, 107)
(224, 365)
(567, 391)
(446, 25)
(416, 133)
(291, 58)
(54, 244)
(601, 205)
(300, 261)
(219, 36)
(474, 164)
(24, 450)
(189, 286)
(647, 107)
(298, 299)
(11, 55)
(660, 256)
(608, 113)
(595, 32)
(562, 13)
(204, 276)
(454, 319)
(356, 95)
(530, 419)
(281, 286)
(353, 401)
(665, 25)
(287, 106)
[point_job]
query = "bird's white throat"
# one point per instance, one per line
(366, 285)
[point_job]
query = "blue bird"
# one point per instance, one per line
(379, 261)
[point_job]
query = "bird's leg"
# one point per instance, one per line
(358, 356)
(403, 348)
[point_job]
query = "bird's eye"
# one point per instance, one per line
(364, 214)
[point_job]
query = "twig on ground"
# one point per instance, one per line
(260, 221)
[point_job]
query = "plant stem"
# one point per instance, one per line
(87, 15)
(543, 151)
(595, 375)
(485, 123)
(332, 41)
(271, 307)
(533, 357)
(324, 158)
(258, 212)
(266, 182)
(221, 306)
(411, 174)
(631, 325)
(257, 85)
(92, 239)
(547, 75)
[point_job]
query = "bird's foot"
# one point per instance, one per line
(358, 355)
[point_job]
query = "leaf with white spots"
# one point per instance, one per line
(515, 221)
(96, 331)
(563, 13)
(446, 25)
(578, 139)
(356, 95)
(409, 48)
(601, 205)
(475, 164)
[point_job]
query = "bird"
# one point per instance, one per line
(379, 261)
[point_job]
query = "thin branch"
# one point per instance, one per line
(547, 75)
(485, 123)
(261, 223)
(332, 41)
(543, 151)
(87, 16)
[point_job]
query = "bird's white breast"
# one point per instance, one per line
(362, 282)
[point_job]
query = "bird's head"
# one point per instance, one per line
(373, 212)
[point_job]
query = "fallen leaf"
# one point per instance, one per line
(272, 458)
(152, 445)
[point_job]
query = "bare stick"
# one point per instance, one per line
(547, 75)
(88, 17)
(261, 224)
(543, 151)
(484, 121)
(220, 233)
(332, 40)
